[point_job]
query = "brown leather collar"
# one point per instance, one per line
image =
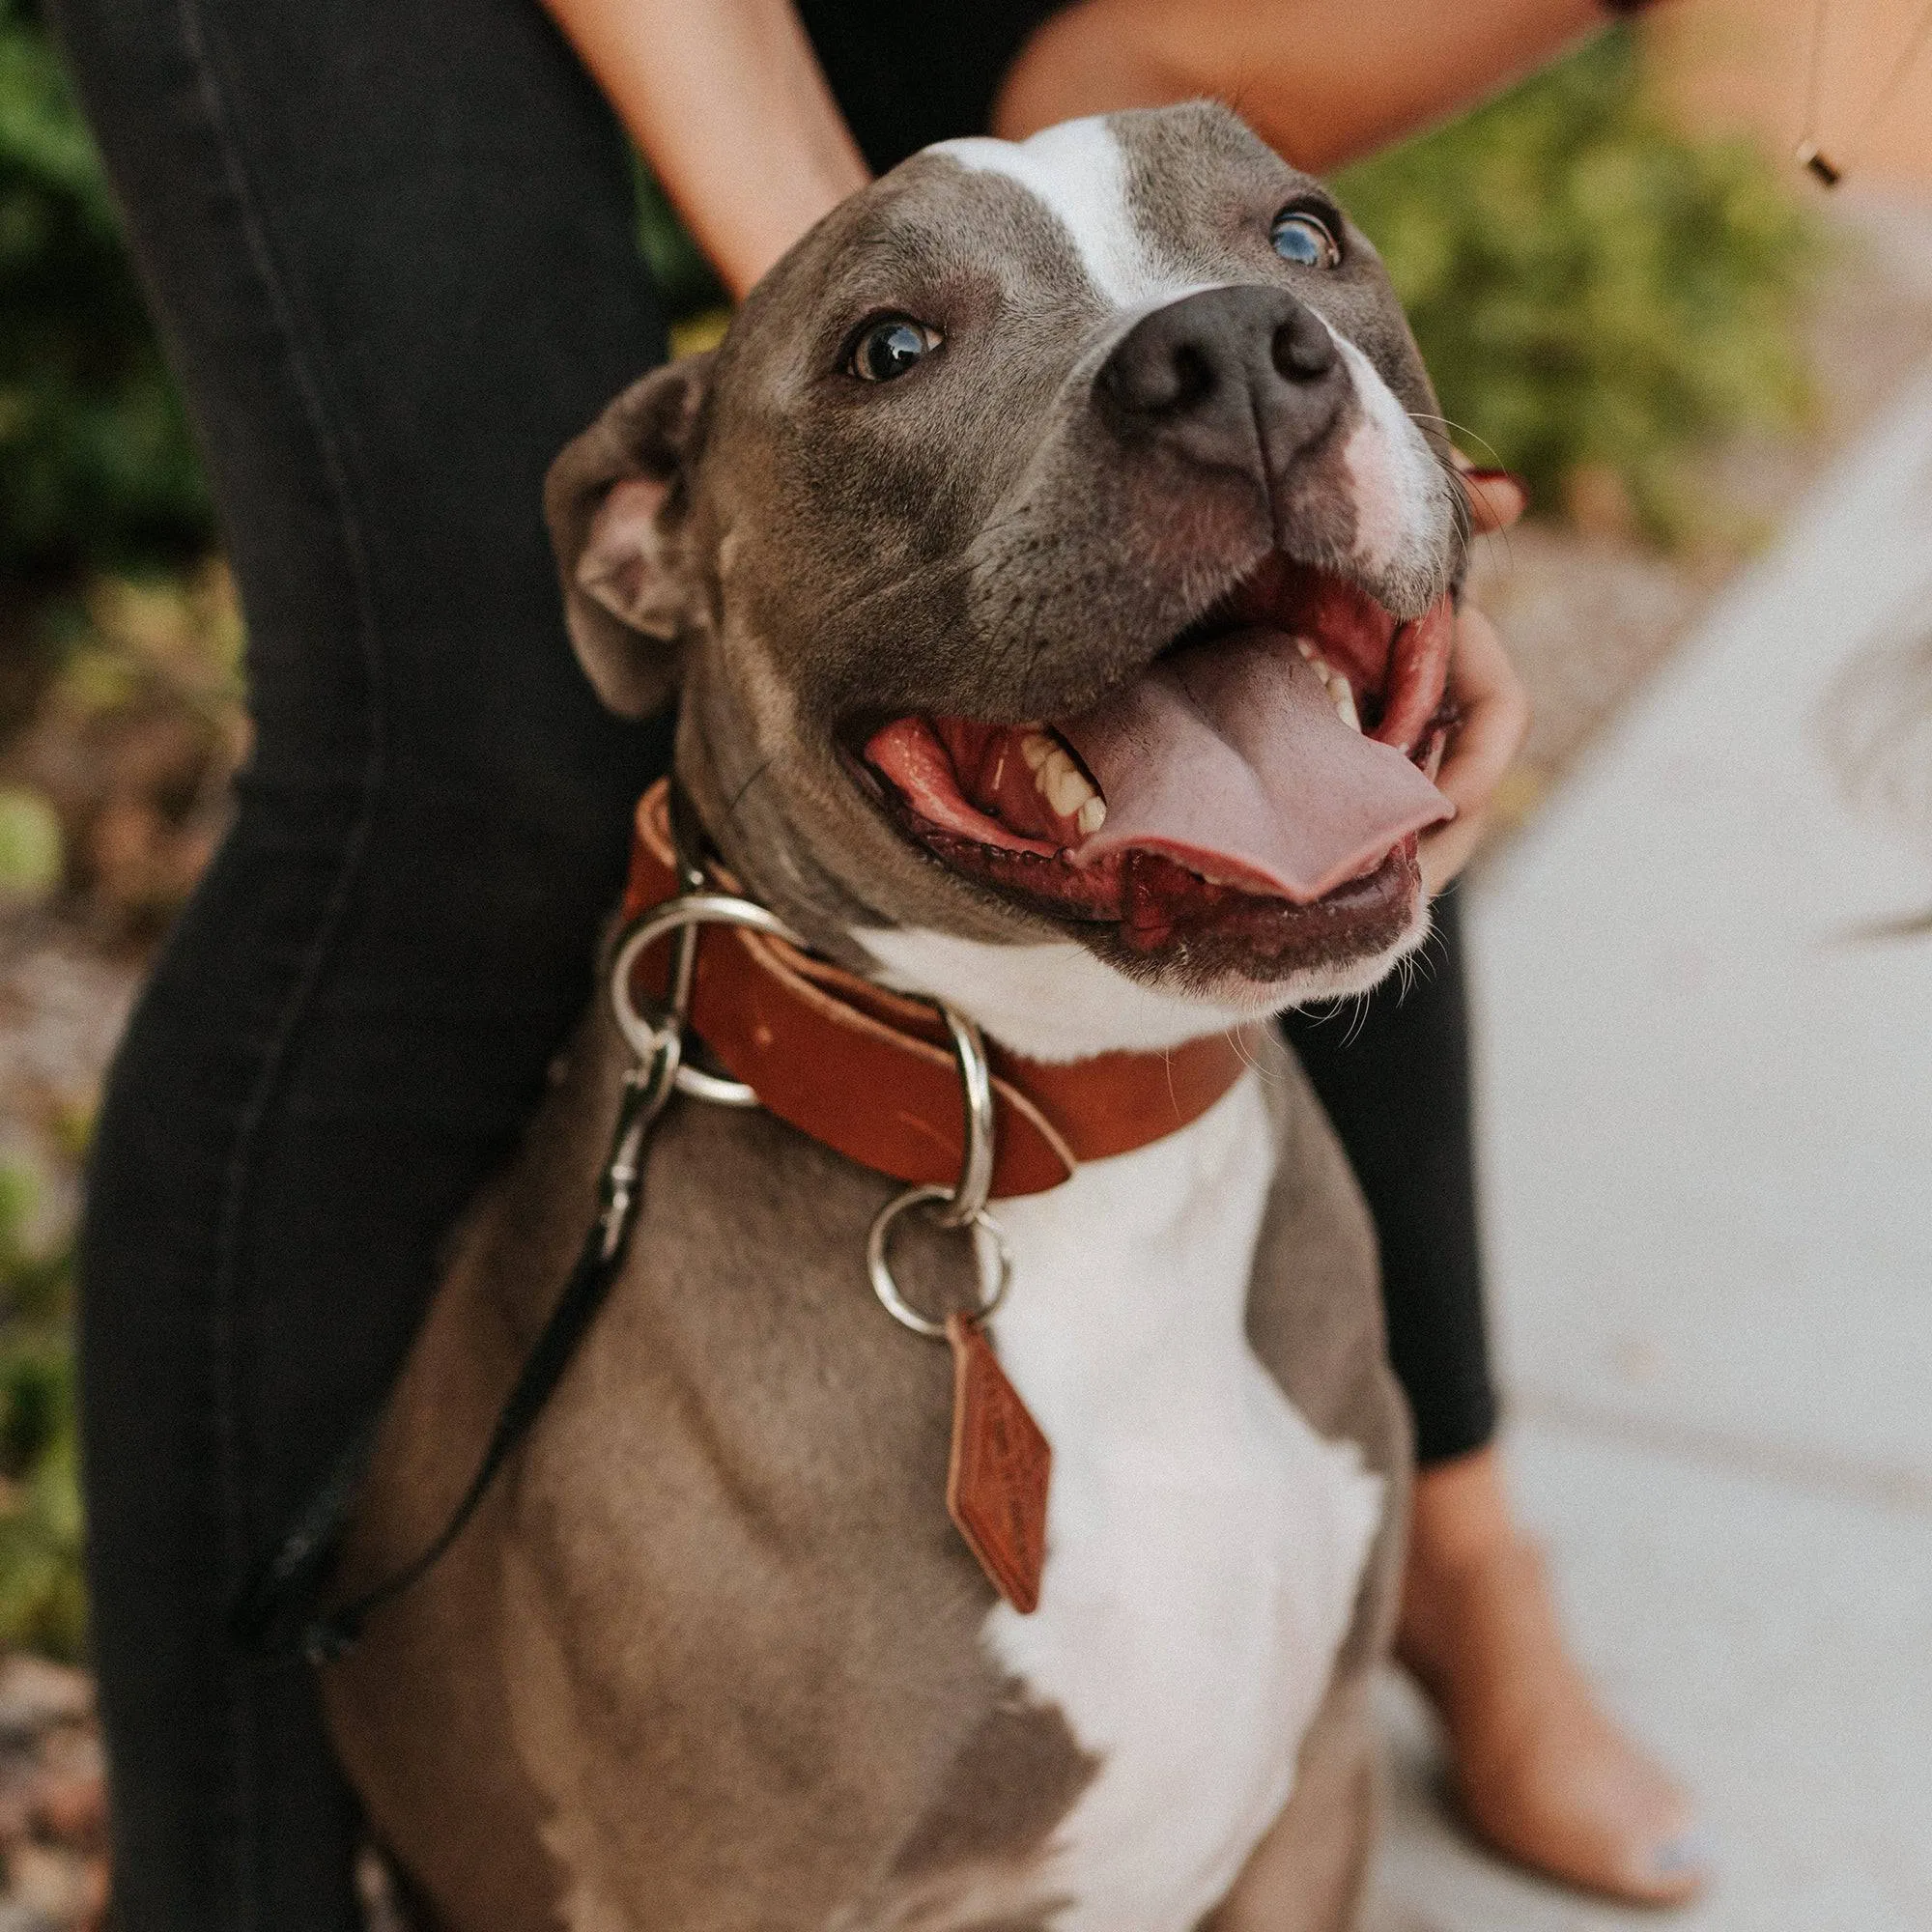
(872, 1073)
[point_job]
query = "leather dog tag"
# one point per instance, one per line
(997, 1481)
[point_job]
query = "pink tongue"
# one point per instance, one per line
(1230, 757)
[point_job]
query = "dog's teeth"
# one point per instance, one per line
(1341, 693)
(1060, 782)
(1036, 747)
(1064, 784)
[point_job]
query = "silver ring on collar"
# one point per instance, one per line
(646, 1032)
(879, 1267)
(962, 1207)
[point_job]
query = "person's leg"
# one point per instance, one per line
(1393, 1073)
(1542, 1772)
(391, 247)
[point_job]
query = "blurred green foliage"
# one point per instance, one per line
(97, 464)
(685, 279)
(32, 848)
(1592, 290)
(42, 1593)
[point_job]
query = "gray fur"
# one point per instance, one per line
(710, 1655)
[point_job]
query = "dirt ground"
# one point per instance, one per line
(53, 1819)
(134, 750)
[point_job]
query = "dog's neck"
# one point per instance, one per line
(1054, 1003)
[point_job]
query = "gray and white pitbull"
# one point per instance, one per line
(1055, 579)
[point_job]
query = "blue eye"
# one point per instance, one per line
(1305, 240)
(890, 348)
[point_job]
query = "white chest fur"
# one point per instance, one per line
(1204, 1546)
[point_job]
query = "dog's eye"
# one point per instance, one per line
(1305, 240)
(890, 348)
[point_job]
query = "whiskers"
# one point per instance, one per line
(1464, 533)
(1248, 1057)
(1351, 1010)
(1422, 963)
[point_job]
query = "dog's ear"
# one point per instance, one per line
(616, 504)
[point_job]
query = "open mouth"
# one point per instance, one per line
(1263, 780)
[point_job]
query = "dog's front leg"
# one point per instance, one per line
(1309, 1873)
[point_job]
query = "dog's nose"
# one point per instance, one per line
(1225, 376)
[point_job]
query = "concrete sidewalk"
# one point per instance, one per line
(1707, 1124)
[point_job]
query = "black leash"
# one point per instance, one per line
(274, 1615)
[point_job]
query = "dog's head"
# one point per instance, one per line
(1055, 562)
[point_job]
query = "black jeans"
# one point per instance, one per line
(1395, 1077)
(391, 246)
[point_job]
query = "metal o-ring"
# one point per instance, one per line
(976, 1086)
(644, 1034)
(887, 1289)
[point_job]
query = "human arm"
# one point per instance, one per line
(728, 100)
(1321, 82)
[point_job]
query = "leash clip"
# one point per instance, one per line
(658, 1036)
(647, 1090)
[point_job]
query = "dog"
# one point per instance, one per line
(1055, 567)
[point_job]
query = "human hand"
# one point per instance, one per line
(1488, 695)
